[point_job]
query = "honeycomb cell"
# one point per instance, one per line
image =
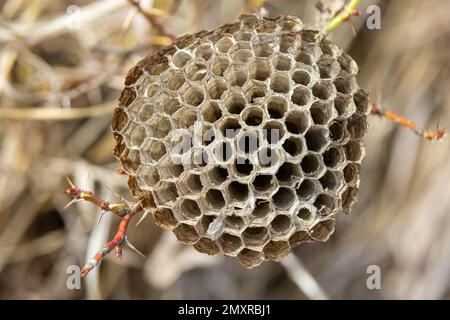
(186, 233)
(223, 151)
(248, 141)
(234, 102)
(277, 107)
(354, 151)
(357, 126)
(321, 112)
(152, 150)
(237, 192)
(276, 250)
(262, 209)
(236, 74)
(216, 88)
(204, 51)
(273, 131)
(293, 146)
(255, 237)
(252, 116)
(180, 58)
(243, 167)
(280, 225)
(325, 204)
(289, 172)
(307, 189)
(322, 230)
(288, 43)
(298, 238)
(165, 218)
(302, 77)
(166, 192)
(284, 198)
(159, 126)
(219, 65)
(148, 176)
(328, 66)
(254, 91)
(267, 158)
(175, 80)
(323, 90)
(208, 246)
(301, 96)
(351, 174)
(189, 209)
(280, 82)
(230, 126)
(211, 112)
(260, 69)
(234, 222)
(230, 244)
(214, 198)
(317, 138)
(297, 122)
(217, 174)
(311, 165)
(192, 95)
(282, 62)
(264, 182)
(330, 181)
(250, 258)
(190, 183)
(224, 44)
(306, 214)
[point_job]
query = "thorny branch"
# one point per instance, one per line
(124, 211)
(342, 16)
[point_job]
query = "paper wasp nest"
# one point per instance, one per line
(246, 140)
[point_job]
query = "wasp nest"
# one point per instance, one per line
(245, 141)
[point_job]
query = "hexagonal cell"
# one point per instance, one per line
(262, 209)
(337, 132)
(217, 174)
(248, 141)
(199, 158)
(189, 209)
(207, 134)
(166, 192)
(169, 167)
(234, 102)
(266, 26)
(298, 238)
(130, 160)
(146, 111)
(329, 48)
(243, 36)
(311, 165)
(260, 69)
(280, 224)
(206, 245)
(301, 77)
(351, 174)
(357, 126)
(293, 146)
(310, 35)
(224, 44)
(362, 101)
(158, 126)
(229, 127)
(301, 95)
(284, 198)
(273, 131)
(204, 224)
(234, 222)
(243, 167)
(304, 57)
(137, 136)
(349, 198)
(263, 49)
(120, 120)
(344, 104)
(263, 183)
(307, 189)
(174, 80)
(255, 236)
(282, 62)
(289, 172)
(325, 204)
(164, 218)
(276, 107)
(242, 55)
(252, 116)
(180, 142)
(180, 58)
(317, 138)
(322, 230)
(288, 43)
(171, 105)
(267, 157)
(333, 157)
(254, 91)
(186, 233)
(211, 112)
(297, 122)
(236, 74)
(290, 23)
(306, 214)
(249, 258)
(192, 95)
(230, 244)
(148, 176)
(216, 88)
(345, 83)
(214, 198)
(223, 151)
(347, 63)
(328, 66)
(204, 51)
(152, 150)
(238, 192)
(186, 117)
(323, 90)
(190, 183)
(219, 65)
(354, 151)
(276, 250)
(280, 82)
(330, 181)
(321, 112)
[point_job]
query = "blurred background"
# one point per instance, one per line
(62, 67)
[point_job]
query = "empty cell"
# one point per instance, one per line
(290, 23)
(254, 91)
(200, 158)
(219, 65)
(248, 142)
(304, 57)
(189, 209)
(316, 138)
(130, 160)
(351, 174)
(305, 214)
(263, 182)
(289, 172)
(293, 146)
(354, 151)
(297, 122)
(211, 112)
(310, 35)
(337, 132)
(159, 126)
(361, 101)
(344, 84)
(204, 51)
(216, 88)
(166, 192)
(298, 238)
(146, 111)
(223, 151)
(218, 174)
(329, 48)
(301, 96)
(343, 104)
(252, 116)
(322, 230)
(180, 58)
(323, 90)
(263, 49)
(266, 26)
(284, 198)
(347, 63)
(288, 43)
(242, 55)
(333, 157)
(238, 191)
(279, 82)
(208, 135)
(260, 69)
(164, 218)
(357, 126)
(186, 233)
(171, 105)
(321, 112)
(243, 36)
(250, 258)
(154, 149)
(325, 204)
(349, 197)
(267, 157)
(196, 70)
(120, 120)
(215, 199)
(180, 142)
(175, 80)
(276, 250)
(148, 175)
(310, 164)
(301, 77)
(307, 189)
(137, 136)
(329, 181)
(230, 127)
(193, 95)
(255, 236)
(277, 107)
(328, 67)
(234, 222)
(273, 131)
(234, 102)
(169, 167)
(282, 63)
(206, 245)
(229, 243)
(280, 224)
(236, 74)
(243, 166)
(204, 224)
(262, 208)
(191, 183)
(186, 117)
(224, 44)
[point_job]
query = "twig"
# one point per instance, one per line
(343, 15)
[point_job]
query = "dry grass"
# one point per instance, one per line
(57, 87)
